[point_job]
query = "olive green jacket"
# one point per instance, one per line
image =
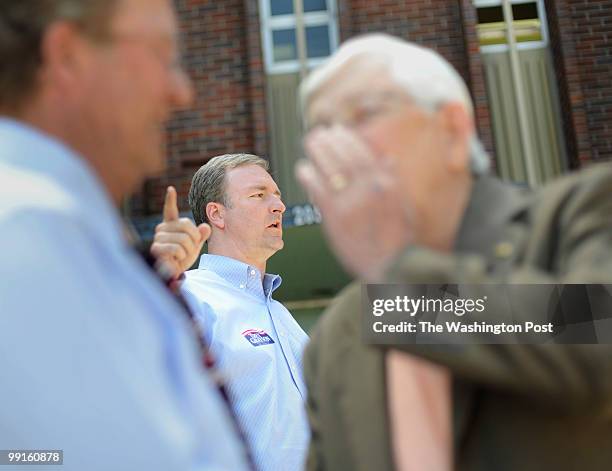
(515, 407)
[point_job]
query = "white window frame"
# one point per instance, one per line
(268, 23)
(524, 45)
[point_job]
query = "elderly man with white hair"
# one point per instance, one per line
(398, 173)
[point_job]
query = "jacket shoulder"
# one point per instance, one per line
(340, 321)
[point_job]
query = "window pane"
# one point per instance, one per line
(317, 41)
(492, 29)
(281, 7)
(525, 11)
(490, 15)
(528, 30)
(284, 45)
(314, 5)
(527, 23)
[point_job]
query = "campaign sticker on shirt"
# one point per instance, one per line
(257, 337)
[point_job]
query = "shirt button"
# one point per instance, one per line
(241, 286)
(252, 272)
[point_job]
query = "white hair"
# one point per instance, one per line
(427, 78)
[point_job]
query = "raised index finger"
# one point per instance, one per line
(171, 212)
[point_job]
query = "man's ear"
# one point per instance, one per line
(458, 127)
(215, 212)
(63, 53)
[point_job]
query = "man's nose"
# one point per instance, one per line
(182, 91)
(278, 206)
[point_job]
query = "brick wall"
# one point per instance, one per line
(581, 40)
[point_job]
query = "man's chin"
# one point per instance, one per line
(155, 155)
(155, 163)
(276, 246)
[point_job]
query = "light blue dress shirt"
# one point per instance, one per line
(258, 347)
(95, 358)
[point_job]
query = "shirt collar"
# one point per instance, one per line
(241, 275)
(28, 149)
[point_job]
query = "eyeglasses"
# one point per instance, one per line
(366, 109)
(158, 45)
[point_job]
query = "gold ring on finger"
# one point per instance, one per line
(338, 182)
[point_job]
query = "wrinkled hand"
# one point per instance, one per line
(360, 200)
(177, 242)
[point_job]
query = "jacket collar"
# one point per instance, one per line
(493, 204)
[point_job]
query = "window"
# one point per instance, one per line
(280, 35)
(528, 22)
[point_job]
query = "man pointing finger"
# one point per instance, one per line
(177, 240)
